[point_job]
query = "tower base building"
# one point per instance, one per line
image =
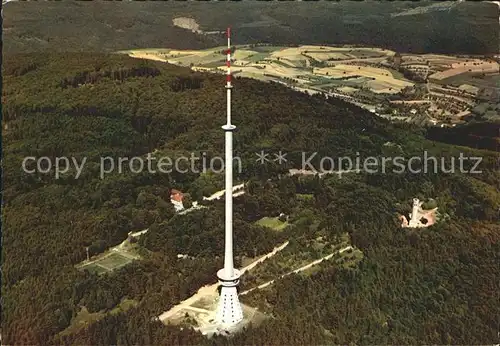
(229, 311)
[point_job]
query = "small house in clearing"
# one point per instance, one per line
(176, 197)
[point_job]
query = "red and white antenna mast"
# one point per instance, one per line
(228, 76)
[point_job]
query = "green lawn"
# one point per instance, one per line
(396, 74)
(266, 49)
(94, 268)
(272, 222)
(284, 63)
(213, 64)
(257, 57)
(365, 53)
(124, 305)
(81, 320)
(350, 259)
(305, 196)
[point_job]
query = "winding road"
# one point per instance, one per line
(307, 266)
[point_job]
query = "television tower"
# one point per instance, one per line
(229, 311)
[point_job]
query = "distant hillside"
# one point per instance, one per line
(109, 26)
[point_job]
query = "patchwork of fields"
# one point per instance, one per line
(373, 78)
(316, 66)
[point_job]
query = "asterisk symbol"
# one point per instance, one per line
(280, 157)
(262, 157)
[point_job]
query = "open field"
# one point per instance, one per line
(436, 59)
(84, 318)
(272, 222)
(258, 56)
(369, 53)
(124, 305)
(266, 49)
(95, 268)
(281, 64)
(322, 56)
(470, 67)
(382, 80)
(148, 55)
(363, 76)
(242, 54)
(272, 62)
(305, 196)
(489, 81)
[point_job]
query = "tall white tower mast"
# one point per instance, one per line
(229, 311)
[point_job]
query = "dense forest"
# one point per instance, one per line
(481, 135)
(437, 285)
(467, 27)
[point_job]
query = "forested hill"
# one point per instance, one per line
(410, 26)
(436, 285)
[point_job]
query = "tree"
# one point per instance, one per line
(187, 201)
